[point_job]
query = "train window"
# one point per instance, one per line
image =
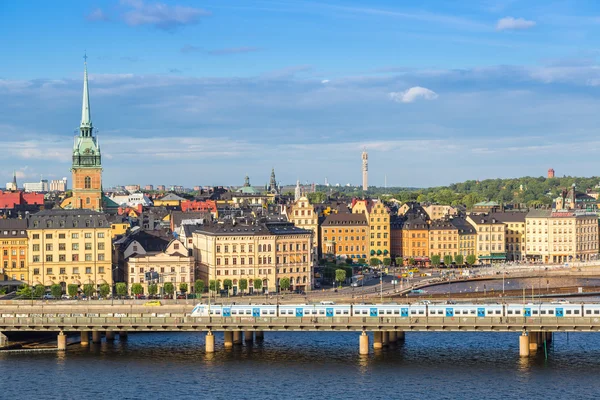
(498, 312)
(248, 312)
(365, 312)
(518, 312)
(596, 311)
(472, 312)
(338, 312)
(346, 312)
(272, 312)
(413, 311)
(389, 312)
(396, 312)
(551, 312)
(321, 312)
(568, 312)
(421, 312)
(588, 311)
(509, 312)
(218, 312)
(575, 311)
(535, 312)
(542, 312)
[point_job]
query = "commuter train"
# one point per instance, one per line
(543, 310)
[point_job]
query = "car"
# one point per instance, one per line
(140, 297)
(181, 296)
(65, 297)
(48, 296)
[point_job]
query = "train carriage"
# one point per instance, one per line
(557, 310)
(379, 310)
(205, 310)
(591, 310)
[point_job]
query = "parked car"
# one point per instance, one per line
(66, 297)
(48, 296)
(181, 296)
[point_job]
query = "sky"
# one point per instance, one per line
(204, 92)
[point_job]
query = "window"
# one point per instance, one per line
(48, 236)
(36, 247)
(88, 246)
(48, 271)
(36, 258)
(75, 246)
(87, 182)
(100, 270)
(88, 257)
(49, 258)
(100, 235)
(101, 246)
(88, 235)
(101, 257)
(62, 271)
(76, 270)
(75, 257)
(88, 270)
(74, 235)
(62, 258)
(61, 236)
(62, 247)
(36, 236)
(36, 271)
(48, 246)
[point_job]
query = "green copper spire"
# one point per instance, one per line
(86, 118)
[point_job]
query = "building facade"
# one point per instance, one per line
(515, 234)
(438, 211)
(245, 253)
(415, 239)
(13, 249)
(69, 247)
(467, 237)
(491, 244)
(345, 236)
(302, 214)
(443, 239)
(378, 217)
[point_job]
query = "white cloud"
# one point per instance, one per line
(97, 15)
(161, 15)
(412, 94)
(324, 81)
(510, 23)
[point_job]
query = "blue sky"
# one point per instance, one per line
(204, 92)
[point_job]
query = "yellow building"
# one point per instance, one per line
(249, 252)
(467, 237)
(515, 234)
(13, 249)
(171, 265)
(378, 217)
(415, 239)
(345, 235)
(443, 239)
(438, 211)
(69, 247)
(170, 200)
(491, 245)
(302, 214)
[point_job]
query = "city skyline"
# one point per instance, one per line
(512, 92)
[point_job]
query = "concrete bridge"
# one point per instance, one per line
(107, 320)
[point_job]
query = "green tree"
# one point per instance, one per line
(471, 259)
(214, 285)
(243, 285)
(284, 283)
(374, 262)
(412, 261)
(183, 287)
(39, 291)
(447, 260)
(121, 289)
(349, 261)
(152, 289)
(399, 261)
(72, 290)
(258, 284)
(137, 289)
(459, 258)
(361, 261)
(199, 287)
(340, 276)
(169, 288)
(89, 289)
(227, 284)
(436, 260)
(104, 290)
(56, 291)
(387, 261)
(24, 291)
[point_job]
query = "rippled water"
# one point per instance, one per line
(308, 366)
(513, 284)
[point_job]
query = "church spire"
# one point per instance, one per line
(86, 118)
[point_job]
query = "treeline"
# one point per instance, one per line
(527, 191)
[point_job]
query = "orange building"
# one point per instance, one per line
(345, 235)
(415, 239)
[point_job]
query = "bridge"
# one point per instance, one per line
(110, 320)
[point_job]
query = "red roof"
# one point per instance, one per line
(12, 199)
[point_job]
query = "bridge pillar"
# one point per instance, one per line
(363, 344)
(524, 345)
(385, 338)
(96, 336)
(400, 336)
(259, 336)
(249, 336)
(85, 338)
(377, 337)
(393, 337)
(548, 336)
(62, 341)
(122, 335)
(228, 341)
(237, 337)
(533, 341)
(210, 342)
(110, 335)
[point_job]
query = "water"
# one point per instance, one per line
(309, 366)
(513, 284)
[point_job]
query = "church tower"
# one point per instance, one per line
(365, 170)
(87, 165)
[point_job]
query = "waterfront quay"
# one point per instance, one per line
(108, 321)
